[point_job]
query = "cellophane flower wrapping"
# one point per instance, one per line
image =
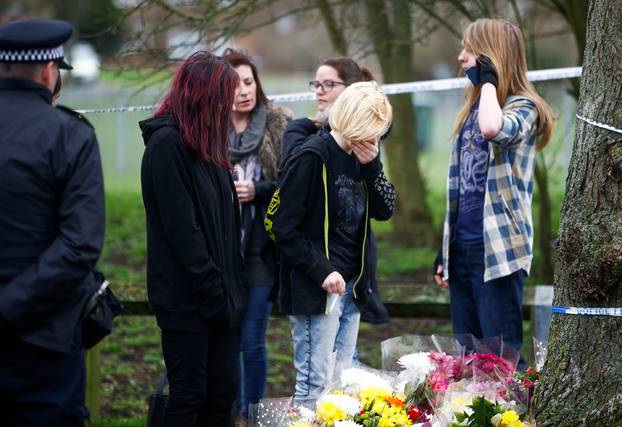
(539, 352)
(269, 412)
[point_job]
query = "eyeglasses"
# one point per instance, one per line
(326, 85)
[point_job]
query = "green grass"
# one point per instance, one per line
(125, 248)
(119, 422)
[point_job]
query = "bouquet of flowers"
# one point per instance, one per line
(434, 381)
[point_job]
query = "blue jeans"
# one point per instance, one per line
(254, 356)
(484, 309)
(321, 340)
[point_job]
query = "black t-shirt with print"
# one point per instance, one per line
(345, 235)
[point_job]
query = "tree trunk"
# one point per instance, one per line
(582, 379)
(392, 45)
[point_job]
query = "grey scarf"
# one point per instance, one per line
(245, 143)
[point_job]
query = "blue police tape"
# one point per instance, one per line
(588, 311)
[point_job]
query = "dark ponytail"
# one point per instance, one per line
(348, 70)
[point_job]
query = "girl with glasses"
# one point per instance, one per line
(331, 78)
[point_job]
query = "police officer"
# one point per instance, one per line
(51, 231)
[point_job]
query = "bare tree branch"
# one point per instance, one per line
(443, 22)
(337, 38)
(457, 5)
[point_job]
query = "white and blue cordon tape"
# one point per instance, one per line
(588, 311)
(389, 89)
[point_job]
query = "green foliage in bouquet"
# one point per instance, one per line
(482, 412)
(367, 417)
(419, 395)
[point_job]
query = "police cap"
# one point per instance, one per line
(34, 40)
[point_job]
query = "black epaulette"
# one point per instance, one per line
(75, 114)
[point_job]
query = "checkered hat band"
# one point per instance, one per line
(32, 55)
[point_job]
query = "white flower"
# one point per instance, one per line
(360, 379)
(347, 423)
(418, 363)
(306, 414)
(348, 404)
(457, 401)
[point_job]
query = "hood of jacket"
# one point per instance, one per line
(152, 124)
(317, 144)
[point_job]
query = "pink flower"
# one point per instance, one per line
(438, 382)
(528, 383)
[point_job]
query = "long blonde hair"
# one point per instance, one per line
(502, 42)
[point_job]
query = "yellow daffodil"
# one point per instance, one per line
(370, 394)
(510, 419)
(328, 412)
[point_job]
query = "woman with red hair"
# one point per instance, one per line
(195, 278)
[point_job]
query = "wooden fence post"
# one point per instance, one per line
(93, 382)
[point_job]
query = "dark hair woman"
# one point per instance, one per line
(255, 136)
(195, 279)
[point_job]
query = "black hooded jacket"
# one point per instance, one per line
(298, 219)
(195, 278)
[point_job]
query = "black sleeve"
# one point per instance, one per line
(298, 190)
(296, 133)
(73, 253)
(381, 192)
(264, 190)
(437, 261)
(177, 211)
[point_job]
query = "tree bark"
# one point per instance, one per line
(582, 379)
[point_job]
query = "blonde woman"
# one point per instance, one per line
(320, 219)
(488, 232)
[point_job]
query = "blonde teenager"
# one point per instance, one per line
(488, 231)
(320, 216)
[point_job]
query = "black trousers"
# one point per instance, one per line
(39, 387)
(204, 375)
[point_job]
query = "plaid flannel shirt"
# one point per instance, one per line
(508, 230)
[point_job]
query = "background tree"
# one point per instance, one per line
(390, 26)
(91, 20)
(582, 379)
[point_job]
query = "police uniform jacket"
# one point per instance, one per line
(51, 215)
